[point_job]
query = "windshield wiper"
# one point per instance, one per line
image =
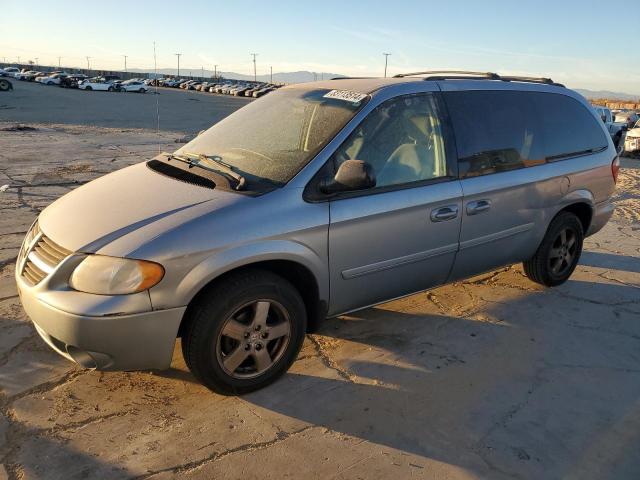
(201, 161)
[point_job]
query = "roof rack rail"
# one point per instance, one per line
(466, 75)
(449, 74)
(350, 78)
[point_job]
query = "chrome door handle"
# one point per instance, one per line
(479, 206)
(443, 214)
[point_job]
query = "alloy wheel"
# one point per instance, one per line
(253, 339)
(563, 252)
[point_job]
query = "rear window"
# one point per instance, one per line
(499, 131)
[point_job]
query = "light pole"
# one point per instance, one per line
(59, 62)
(18, 59)
(88, 64)
(125, 63)
(386, 57)
(178, 55)
(202, 72)
(254, 66)
(36, 61)
(215, 71)
(270, 74)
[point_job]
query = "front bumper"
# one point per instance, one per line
(632, 144)
(105, 332)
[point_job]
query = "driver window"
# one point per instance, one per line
(401, 139)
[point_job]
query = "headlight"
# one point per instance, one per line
(104, 275)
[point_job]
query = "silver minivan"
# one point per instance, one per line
(319, 199)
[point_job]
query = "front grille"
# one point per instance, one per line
(40, 256)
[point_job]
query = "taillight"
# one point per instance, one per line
(615, 168)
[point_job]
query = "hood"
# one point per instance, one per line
(97, 213)
(634, 132)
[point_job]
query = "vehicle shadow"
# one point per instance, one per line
(59, 455)
(515, 391)
(610, 260)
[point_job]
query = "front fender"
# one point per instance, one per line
(224, 261)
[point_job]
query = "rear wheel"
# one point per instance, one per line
(141, 90)
(88, 88)
(244, 333)
(110, 89)
(559, 253)
(4, 85)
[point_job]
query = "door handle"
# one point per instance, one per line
(443, 214)
(479, 206)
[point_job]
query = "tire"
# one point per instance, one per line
(230, 316)
(4, 85)
(88, 88)
(110, 89)
(49, 83)
(141, 90)
(558, 253)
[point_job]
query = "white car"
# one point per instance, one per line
(54, 79)
(632, 141)
(133, 86)
(10, 71)
(96, 84)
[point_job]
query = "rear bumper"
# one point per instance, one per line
(601, 214)
(138, 341)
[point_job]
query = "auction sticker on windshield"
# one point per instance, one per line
(346, 95)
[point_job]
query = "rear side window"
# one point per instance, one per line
(567, 126)
(498, 131)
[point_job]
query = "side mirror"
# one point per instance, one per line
(352, 175)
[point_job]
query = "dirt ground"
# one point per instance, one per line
(494, 377)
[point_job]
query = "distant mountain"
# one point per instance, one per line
(278, 77)
(607, 94)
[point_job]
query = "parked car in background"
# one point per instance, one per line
(54, 79)
(240, 90)
(72, 81)
(96, 83)
(132, 86)
(632, 140)
(28, 75)
(263, 91)
(628, 118)
(617, 130)
(9, 72)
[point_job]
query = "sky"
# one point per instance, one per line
(573, 42)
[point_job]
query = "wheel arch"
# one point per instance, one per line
(304, 270)
(581, 203)
(582, 210)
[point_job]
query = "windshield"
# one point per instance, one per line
(271, 139)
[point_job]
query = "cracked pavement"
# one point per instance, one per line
(494, 377)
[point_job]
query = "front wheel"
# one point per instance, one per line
(110, 89)
(244, 333)
(142, 90)
(88, 88)
(559, 253)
